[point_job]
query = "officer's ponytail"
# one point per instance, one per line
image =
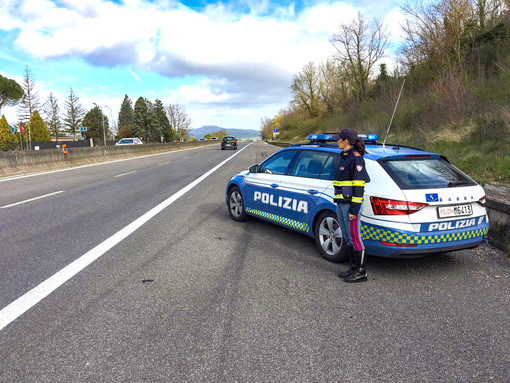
(359, 146)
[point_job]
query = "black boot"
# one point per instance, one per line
(352, 262)
(360, 274)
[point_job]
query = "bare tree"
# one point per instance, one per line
(74, 113)
(306, 87)
(179, 119)
(30, 100)
(52, 116)
(359, 45)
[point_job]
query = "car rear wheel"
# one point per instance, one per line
(236, 205)
(329, 237)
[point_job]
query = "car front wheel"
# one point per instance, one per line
(329, 237)
(236, 205)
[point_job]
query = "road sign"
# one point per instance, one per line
(83, 129)
(275, 130)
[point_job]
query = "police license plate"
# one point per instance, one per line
(454, 211)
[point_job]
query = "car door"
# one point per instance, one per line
(300, 189)
(261, 189)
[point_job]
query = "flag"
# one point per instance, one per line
(12, 129)
(21, 130)
(16, 129)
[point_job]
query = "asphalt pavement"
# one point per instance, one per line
(192, 296)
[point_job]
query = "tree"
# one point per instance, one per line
(8, 139)
(179, 120)
(74, 113)
(163, 122)
(154, 132)
(306, 87)
(38, 128)
(125, 116)
(52, 114)
(125, 131)
(141, 119)
(30, 100)
(10, 92)
(220, 133)
(359, 45)
(94, 120)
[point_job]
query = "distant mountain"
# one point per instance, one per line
(238, 133)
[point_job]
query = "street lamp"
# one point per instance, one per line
(102, 117)
(111, 113)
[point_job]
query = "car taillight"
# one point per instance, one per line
(222, 142)
(385, 206)
(483, 201)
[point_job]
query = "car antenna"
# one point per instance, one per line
(393, 115)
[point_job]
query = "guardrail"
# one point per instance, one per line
(497, 210)
(16, 163)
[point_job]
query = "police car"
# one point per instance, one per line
(415, 203)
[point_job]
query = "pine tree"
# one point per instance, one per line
(93, 120)
(74, 113)
(163, 122)
(30, 100)
(141, 119)
(153, 130)
(38, 128)
(126, 115)
(8, 139)
(52, 114)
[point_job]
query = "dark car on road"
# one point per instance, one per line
(228, 142)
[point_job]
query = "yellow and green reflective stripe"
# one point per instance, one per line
(342, 183)
(358, 183)
(341, 196)
(357, 199)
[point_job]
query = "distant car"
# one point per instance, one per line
(129, 141)
(214, 138)
(202, 139)
(229, 142)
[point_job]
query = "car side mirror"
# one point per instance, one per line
(254, 168)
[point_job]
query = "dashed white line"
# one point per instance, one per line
(32, 199)
(164, 163)
(123, 174)
(34, 296)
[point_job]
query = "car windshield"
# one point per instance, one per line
(126, 141)
(426, 173)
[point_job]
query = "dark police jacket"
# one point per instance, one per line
(350, 180)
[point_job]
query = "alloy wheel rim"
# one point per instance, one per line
(330, 235)
(236, 204)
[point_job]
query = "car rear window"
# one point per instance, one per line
(426, 173)
(228, 138)
(126, 141)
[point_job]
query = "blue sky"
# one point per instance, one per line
(229, 63)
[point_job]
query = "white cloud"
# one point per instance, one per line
(246, 58)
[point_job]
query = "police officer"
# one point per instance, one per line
(349, 187)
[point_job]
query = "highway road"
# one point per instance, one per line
(133, 271)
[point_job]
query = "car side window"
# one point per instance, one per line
(310, 164)
(329, 169)
(279, 163)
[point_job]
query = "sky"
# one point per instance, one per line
(228, 63)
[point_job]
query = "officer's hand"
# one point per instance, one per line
(351, 216)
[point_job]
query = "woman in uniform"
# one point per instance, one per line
(349, 187)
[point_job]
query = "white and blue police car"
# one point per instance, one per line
(416, 202)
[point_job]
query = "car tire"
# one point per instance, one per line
(326, 228)
(236, 205)
(222, 148)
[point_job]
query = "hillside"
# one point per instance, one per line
(239, 133)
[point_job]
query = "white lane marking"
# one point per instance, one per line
(164, 163)
(34, 296)
(101, 163)
(123, 174)
(32, 199)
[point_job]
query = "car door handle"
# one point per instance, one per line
(311, 191)
(274, 185)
